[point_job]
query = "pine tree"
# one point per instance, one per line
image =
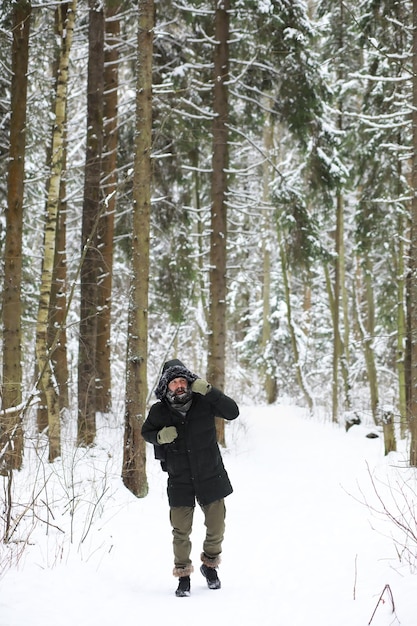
(134, 457)
(91, 215)
(11, 442)
(412, 407)
(105, 235)
(218, 239)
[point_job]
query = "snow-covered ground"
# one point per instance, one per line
(303, 545)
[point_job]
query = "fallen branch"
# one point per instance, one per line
(386, 588)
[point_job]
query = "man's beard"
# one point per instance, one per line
(180, 396)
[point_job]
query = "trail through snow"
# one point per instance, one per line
(300, 549)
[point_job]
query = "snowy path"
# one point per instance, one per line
(297, 546)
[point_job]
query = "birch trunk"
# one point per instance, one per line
(58, 305)
(46, 378)
(58, 334)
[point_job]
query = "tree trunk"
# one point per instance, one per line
(412, 406)
(388, 427)
(343, 350)
(91, 213)
(58, 310)
(339, 306)
(106, 223)
(270, 381)
(11, 435)
(218, 238)
(368, 341)
(58, 305)
(367, 334)
(134, 458)
(399, 259)
(337, 348)
(287, 291)
(46, 376)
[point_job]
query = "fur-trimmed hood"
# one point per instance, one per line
(173, 369)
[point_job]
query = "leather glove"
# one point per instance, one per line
(200, 386)
(167, 434)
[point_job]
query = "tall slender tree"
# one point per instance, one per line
(57, 322)
(58, 305)
(412, 347)
(90, 221)
(218, 238)
(270, 383)
(382, 174)
(134, 458)
(43, 346)
(10, 425)
(106, 223)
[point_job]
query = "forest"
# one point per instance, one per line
(228, 183)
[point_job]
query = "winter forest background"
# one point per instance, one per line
(229, 183)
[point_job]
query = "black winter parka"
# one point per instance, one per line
(193, 461)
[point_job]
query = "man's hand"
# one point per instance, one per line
(167, 434)
(200, 386)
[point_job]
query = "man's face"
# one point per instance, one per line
(178, 386)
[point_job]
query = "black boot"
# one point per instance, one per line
(210, 574)
(183, 587)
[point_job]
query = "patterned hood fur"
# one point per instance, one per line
(176, 370)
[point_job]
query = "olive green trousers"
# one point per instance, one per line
(181, 518)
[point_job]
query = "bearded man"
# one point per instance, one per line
(181, 426)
